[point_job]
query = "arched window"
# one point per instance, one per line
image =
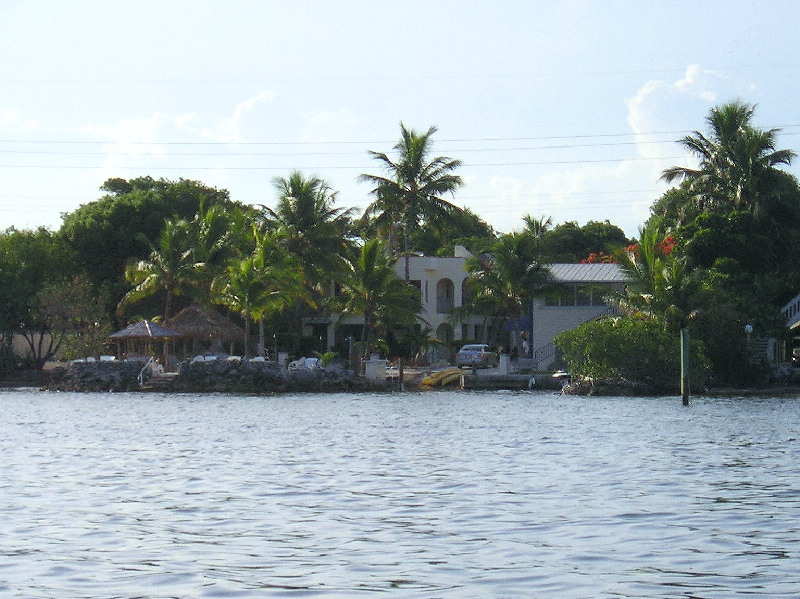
(445, 296)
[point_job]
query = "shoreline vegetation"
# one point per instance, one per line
(714, 264)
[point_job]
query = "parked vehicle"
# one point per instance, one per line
(477, 356)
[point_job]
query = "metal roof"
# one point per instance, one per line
(587, 273)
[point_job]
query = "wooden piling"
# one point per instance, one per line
(685, 366)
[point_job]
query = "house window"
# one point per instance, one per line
(583, 296)
(575, 295)
(560, 297)
(445, 296)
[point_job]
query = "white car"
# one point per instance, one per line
(477, 356)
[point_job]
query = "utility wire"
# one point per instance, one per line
(782, 129)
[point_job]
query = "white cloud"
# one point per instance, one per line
(621, 191)
(11, 119)
(658, 104)
(139, 146)
(132, 138)
(332, 125)
(229, 129)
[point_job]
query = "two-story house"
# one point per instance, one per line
(442, 281)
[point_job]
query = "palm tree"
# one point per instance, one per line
(168, 268)
(211, 243)
(314, 232)
(371, 289)
(258, 284)
(738, 161)
(657, 281)
(308, 225)
(510, 277)
(419, 340)
(412, 190)
(538, 227)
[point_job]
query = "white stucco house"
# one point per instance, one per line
(441, 281)
(582, 296)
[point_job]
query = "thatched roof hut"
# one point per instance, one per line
(145, 329)
(203, 325)
(140, 335)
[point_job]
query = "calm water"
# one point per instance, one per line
(433, 495)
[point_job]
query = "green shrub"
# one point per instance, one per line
(632, 349)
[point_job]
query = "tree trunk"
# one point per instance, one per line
(530, 330)
(246, 334)
(168, 305)
(39, 353)
(261, 343)
(406, 251)
(366, 336)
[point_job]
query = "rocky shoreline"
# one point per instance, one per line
(222, 375)
(233, 375)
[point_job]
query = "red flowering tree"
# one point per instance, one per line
(657, 282)
(599, 258)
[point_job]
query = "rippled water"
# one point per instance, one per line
(417, 495)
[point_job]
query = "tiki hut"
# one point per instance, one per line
(205, 328)
(138, 338)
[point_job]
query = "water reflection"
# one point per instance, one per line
(439, 495)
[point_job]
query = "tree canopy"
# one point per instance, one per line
(371, 289)
(738, 162)
(107, 233)
(570, 242)
(411, 191)
(719, 249)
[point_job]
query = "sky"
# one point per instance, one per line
(569, 110)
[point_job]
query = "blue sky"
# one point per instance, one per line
(562, 109)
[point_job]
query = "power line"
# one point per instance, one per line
(509, 205)
(329, 153)
(328, 167)
(394, 77)
(377, 142)
(317, 143)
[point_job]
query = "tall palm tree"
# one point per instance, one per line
(412, 190)
(308, 225)
(169, 267)
(314, 232)
(738, 161)
(371, 289)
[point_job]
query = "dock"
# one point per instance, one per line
(512, 382)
